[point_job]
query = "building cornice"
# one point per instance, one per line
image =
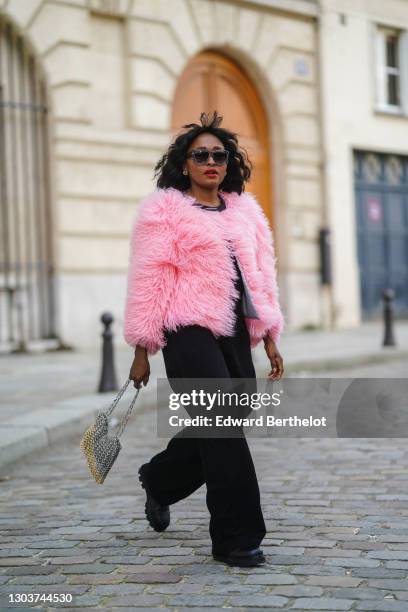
(305, 8)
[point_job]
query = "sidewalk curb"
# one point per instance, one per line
(336, 363)
(23, 435)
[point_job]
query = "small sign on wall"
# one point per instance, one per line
(301, 67)
(374, 209)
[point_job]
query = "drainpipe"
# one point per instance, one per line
(327, 314)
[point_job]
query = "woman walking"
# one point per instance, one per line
(202, 288)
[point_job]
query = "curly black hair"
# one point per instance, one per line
(169, 169)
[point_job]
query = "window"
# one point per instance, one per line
(391, 62)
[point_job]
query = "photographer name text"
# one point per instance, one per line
(259, 421)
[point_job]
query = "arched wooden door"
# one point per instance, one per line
(211, 82)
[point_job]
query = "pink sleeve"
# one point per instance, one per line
(266, 260)
(150, 282)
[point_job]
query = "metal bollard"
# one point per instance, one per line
(388, 296)
(108, 380)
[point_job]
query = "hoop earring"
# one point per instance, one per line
(185, 172)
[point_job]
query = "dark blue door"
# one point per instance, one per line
(381, 188)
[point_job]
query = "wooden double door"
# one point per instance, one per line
(211, 82)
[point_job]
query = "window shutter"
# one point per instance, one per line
(381, 89)
(403, 58)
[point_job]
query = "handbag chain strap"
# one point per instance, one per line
(129, 410)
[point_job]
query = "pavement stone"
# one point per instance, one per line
(198, 600)
(267, 601)
(382, 606)
(323, 603)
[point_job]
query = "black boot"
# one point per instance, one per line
(242, 558)
(157, 515)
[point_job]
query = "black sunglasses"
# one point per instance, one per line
(201, 156)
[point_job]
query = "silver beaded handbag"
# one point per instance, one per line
(100, 448)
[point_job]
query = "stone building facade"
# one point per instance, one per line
(364, 92)
(109, 74)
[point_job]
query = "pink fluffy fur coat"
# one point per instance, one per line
(181, 271)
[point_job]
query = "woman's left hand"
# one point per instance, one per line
(275, 358)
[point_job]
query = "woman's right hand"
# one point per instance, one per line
(140, 369)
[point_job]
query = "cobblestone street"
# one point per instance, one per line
(336, 513)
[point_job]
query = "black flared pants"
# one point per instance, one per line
(225, 465)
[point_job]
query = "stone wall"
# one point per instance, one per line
(112, 69)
